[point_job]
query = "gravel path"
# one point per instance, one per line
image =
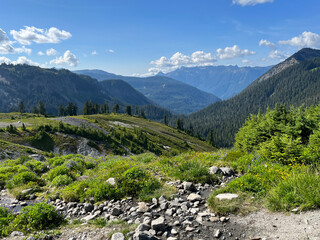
(269, 226)
(80, 123)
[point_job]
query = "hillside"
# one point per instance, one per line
(54, 87)
(171, 94)
(295, 85)
(124, 92)
(222, 81)
(94, 135)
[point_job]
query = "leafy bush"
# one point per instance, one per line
(40, 216)
(6, 218)
(299, 190)
(36, 166)
(61, 180)
(22, 178)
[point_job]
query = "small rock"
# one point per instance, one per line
(142, 227)
(214, 170)
(88, 207)
(117, 236)
(158, 224)
(111, 181)
(144, 236)
(116, 211)
(227, 171)
(23, 204)
(227, 196)
(194, 197)
(189, 186)
(143, 207)
(217, 233)
(17, 233)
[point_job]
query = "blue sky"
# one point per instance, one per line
(146, 36)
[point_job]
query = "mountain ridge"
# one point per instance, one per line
(295, 85)
(169, 93)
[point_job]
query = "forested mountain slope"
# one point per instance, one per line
(295, 85)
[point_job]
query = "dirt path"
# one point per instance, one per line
(269, 226)
(80, 123)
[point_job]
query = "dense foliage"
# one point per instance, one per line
(294, 86)
(280, 159)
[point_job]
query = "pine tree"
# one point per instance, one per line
(137, 111)
(210, 139)
(41, 108)
(128, 110)
(21, 107)
(116, 108)
(165, 120)
(61, 110)
(142, 114)
(86, 108)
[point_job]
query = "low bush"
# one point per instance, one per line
(61, 180)
(301, 189)
(40, 216)
(6, 218)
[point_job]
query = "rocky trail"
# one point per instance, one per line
(183, 217)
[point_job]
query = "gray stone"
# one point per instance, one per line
(143, 207)
(227, 171)
(116, 211)
(27, 191)
(172, 238)
(215, 170)
(227, 196)
(158, 224)
(189, 186)
(217, 233)
(111, 181)
(89, 217)
(118, 236)
(144, 236)
(17, 233)
(88, 207)
(194, 197)
(142, 227)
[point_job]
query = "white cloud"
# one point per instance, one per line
(233, 52)
(306, 39)
(67, 58)
(198, 58)
(51, 52)
(275, 54)
(250, 2)
(40, 53)
(32, 34)
(245, 61)
(5, 60)
(6, 45)
(94, 52)
(267, 43)
(20, 60)
(111, 51)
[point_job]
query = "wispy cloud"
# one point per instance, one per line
(198, 58)
(6, 46)
(67, 58)
(94, 52)
(306, 39)
(51, 52)
(233, 52)
(32, 34)
(250, 2)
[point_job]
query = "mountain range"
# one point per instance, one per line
(294, 82)
(222, 81)
(53, 87)
(176, 96)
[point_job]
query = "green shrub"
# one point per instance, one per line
(6, 218)
(39, 216)
(298, 190)
(42, 140)
(61, 180)
(194, 172)
(22, 178)
(36, 166)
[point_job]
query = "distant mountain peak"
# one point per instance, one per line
(300, 56)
